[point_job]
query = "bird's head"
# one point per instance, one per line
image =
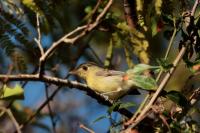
(84, 69)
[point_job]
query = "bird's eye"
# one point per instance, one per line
(85, 68)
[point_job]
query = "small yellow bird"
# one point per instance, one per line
(113, 84)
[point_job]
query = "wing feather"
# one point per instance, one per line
(107, 73)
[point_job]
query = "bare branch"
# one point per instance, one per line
(194, 7)
(38, 40)
(86, 128)
(51, 113)
(71, 84)
(12, 118)
(84, 29)
(55, 44)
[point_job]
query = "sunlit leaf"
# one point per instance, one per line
(14, 93)
(140, 68)
(154, 27)
(123, 26)
(144, 82)
(33, 6)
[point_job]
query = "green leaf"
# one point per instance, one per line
(140, 68)
(178, 98)
(126, 105)
(113, 107)
(164, 64)
(12, 93)
(88, 9)
(144, 82)
(154, 27)
(99, 118)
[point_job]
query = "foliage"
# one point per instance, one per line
(12, 93)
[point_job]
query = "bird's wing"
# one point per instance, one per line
(109, 73)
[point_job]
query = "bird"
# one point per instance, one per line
(111, 83)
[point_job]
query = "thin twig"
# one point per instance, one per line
(38, 40)
(51, 114)
(77, 30)
(12, 118)
(95, 9)
(39, 109)
(171, 41)
(195, 96)
(168, 49)
(77, 35)
(55, 44)
(100, 16)
(194, 7)
(140, 107)
(86, 128)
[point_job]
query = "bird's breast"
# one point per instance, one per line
(104, 84)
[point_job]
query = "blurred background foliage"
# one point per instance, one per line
(116, 43)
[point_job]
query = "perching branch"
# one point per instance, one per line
(86, 128)
(71, 84)
(51, 113)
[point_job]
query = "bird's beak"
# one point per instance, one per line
(73, 72)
